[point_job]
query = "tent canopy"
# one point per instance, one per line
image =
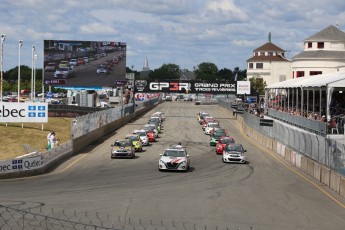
(331, 79)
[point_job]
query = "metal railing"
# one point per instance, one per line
(314, 126)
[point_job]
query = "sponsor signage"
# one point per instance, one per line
(266, 122)
(21, 164)
(185, 87)
(55, 82)
(23, 112)
(243, 87)
(120, 82)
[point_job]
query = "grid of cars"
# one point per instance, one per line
(136, 140)
(64, 68)
(225, 144)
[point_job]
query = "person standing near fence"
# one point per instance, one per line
(53, 140)
(49, 140)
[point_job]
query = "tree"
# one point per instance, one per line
(206, 71)
(258, 84)
(166, 72)
(225, 75)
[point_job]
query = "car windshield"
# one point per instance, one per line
(122, 144)
(63, 69)
(237, 148)
(217, 135)
(142, 134)
(174, 153)
(227, 141)
(212, 124)
(134, 138)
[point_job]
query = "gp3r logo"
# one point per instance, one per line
(170, 86)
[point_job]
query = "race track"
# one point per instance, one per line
(266, 193)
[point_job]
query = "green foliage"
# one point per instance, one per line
(258, 84)
(225, 75)
(206, 71)
(166, 72)
(10, 77)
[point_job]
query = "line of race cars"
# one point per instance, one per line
(225, 145)
(127, 147)
(176, 158)
(173, 158)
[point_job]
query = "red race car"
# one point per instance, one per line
(222, 142)
(151, 136)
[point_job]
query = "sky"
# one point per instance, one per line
(182, 32)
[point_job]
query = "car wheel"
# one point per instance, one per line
(223, 160)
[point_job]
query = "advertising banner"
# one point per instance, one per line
(23, 112)
(243, 87)
(20, 164)
(183, 86)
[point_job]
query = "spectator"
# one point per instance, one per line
(49, 139)
(53, 140)
(323, 118)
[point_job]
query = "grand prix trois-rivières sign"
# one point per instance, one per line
(183, 86)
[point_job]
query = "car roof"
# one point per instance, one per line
(176, 148)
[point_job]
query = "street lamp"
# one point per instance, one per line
(34, 93)
(3, 37)
(20, 44)
(32, 71)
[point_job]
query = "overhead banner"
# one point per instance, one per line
(22, 112)
(183, 86)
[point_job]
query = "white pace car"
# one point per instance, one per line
(176, 159)
(234, 153)
(143, 136)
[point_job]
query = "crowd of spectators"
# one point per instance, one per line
(337, 112)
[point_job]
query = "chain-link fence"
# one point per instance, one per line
(14, 218)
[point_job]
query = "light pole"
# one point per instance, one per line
(20, 44)
(32, 71)
(34, 93)
(3, 37)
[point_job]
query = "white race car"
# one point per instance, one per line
(234, 153)
(176, 159)
(143, 136)
(210, 126)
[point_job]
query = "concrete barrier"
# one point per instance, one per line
(293, 158)
(304, 164)
(287, 155)
(335, 181)
(274, 146)
(342, 186)
(310, 167)
(317, 171)
(325, 176)
(298, 160)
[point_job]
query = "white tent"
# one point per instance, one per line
(326, 81)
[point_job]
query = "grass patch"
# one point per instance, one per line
(13, 136)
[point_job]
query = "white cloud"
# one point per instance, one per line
(174, 31)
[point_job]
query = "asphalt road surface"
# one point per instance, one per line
(266, 193)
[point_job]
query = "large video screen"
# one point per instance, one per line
(84, 63)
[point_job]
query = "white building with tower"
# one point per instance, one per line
(269, 62)
(324, 52)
